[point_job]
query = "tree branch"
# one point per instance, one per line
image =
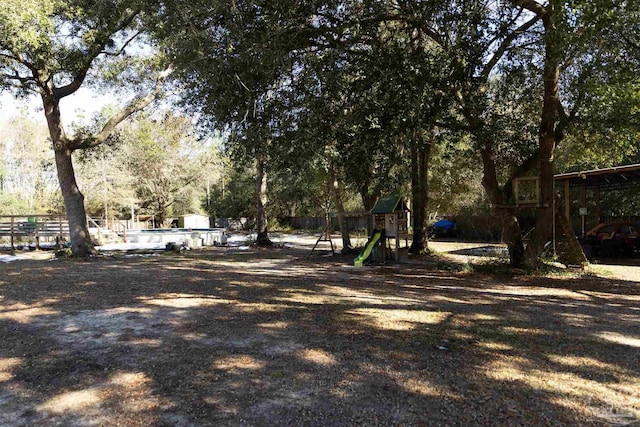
(416, 23)
(504, 46)
(562, 112)
(135, 106)
(566, 119)
(511, 22)
(72, 87)
(634, 45)
(20, 86)
(535, 7)
(18, 57)
(454, 126)
(13, 58)
(123, 47)
(23, 80)
(98, 49)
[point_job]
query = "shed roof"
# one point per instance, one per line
(609, 178)
(389, 204)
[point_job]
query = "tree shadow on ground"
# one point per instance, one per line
(267, 338)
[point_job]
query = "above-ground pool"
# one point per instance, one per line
(189, 236)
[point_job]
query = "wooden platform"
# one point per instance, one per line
(33, 227)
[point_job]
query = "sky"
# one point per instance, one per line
(79, 107)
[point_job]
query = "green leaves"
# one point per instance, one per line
(350, 83)
(26, 25)
(44, 42)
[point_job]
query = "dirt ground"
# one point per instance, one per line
(231, 337)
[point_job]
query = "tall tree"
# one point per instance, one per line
(223, 81)
(482, 41)
(50, 48)
(450, 58)
(578, 44)
(168, 163)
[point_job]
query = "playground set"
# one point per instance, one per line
(388, 232)
(389, 237)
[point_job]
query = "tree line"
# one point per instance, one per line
(155, 166)
(370, 95)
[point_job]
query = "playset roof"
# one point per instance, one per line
(389, 204)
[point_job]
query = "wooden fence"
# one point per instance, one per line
(33, 227)
(319, 223)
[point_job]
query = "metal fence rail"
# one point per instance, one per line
(33, 227)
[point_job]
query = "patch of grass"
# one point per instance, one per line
(491, 268)
(454, 266)
(555, 271)
(496, 268)
(275, 225)
(250, 240)
(598, 270)
(502, 268)
(64, 253)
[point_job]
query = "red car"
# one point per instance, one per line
(613, 238)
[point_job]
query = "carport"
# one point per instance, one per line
(598, 180)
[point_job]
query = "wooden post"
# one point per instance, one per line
(36, 233)
(583, 204)
(13, 249)
(567, 200)
(597, 195)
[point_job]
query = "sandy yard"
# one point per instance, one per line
(245, 337)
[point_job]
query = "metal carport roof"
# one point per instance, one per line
(606, 179)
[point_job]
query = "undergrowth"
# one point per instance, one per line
(502, 268)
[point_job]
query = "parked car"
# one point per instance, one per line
(612, 239)
(443, 228)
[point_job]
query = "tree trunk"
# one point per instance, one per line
(161, 214)
(261, 201)
(368, 200)
(512, 237)
(568, 248)
(546, 142)
(420, 154)
(511, 233)
(81, 244)
(336, 192)
(543, 232)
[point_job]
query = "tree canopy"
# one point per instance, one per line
(367, 95)
(50, 48)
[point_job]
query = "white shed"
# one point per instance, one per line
(193, 221)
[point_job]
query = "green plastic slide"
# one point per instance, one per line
(366, 252)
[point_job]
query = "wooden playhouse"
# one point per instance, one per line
(391, 214)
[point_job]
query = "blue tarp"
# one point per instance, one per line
(444, 224)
